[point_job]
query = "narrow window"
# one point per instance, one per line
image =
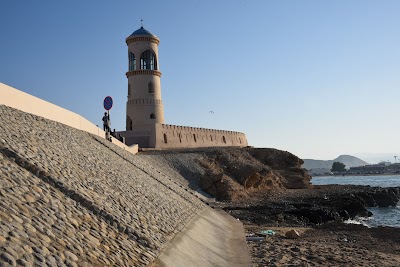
(152, 116)
(165, 138)
(129, 90)
(211, 137)
(128, 123)
(150, 87)
(223, 139)
(240, 140)
(194, 137)
(148, 61)
(132, 61)
(180, 138)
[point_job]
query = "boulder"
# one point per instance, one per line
(292, 234)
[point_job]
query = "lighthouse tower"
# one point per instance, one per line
(145, 125)
(144, 107)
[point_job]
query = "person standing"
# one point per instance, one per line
(106, 122)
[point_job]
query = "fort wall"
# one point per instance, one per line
(17, 99)
(174, 136)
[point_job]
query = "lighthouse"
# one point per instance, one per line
(145, 125)
(144, 107)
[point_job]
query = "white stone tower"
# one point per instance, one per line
(144, 107)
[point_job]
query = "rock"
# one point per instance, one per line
(8, 258)
(29, 198)
(70, 263)
(39, 257)
(70, 255)
(11, 252)
(232, 173)
(292, 234)
(74, 222)
(37, 189)
(24, 263)
(92, 240)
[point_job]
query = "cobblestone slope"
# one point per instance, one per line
(68, 198)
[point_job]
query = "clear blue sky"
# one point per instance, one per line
(316, 78)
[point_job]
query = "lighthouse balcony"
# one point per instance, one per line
(143, 72)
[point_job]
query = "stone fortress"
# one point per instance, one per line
(144, 108)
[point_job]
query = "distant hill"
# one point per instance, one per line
(349, 161)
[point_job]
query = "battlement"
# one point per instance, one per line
(199, 129)
(176, 136)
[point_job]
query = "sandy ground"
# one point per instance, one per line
(333, 245)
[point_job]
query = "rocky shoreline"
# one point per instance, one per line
(313, 206)
(317, 214)
(266, 189)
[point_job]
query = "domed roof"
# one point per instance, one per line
(142, 32)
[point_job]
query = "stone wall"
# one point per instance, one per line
(71, 198)
(174, 136)
(166, 136)
(17, 99)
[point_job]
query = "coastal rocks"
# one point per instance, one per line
(386, 197)
(315, 215)
(292, 234)
(233, 174)
(287, 165)
(236, 173)
(221, 186)
(315, 206)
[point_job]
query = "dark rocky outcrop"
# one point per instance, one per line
(314, 206)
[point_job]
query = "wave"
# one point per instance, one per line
(360, 220)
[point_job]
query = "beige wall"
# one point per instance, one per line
(191, 137)
(30, 104)
(141, 104)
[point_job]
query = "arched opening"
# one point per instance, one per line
(194, 137)
(165, 138)
(211, 137)
(180, 138)
(150, 87)
(128, 123)
(223, 139)
(132, 61)
(152, 116)
(148, 61)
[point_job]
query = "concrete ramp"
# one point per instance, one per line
(213, 238)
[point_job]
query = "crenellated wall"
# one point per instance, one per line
(174, 136)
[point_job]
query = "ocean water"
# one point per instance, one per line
(381, 216)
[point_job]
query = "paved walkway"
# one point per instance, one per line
(213, 238)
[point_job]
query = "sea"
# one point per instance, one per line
(381, 216)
